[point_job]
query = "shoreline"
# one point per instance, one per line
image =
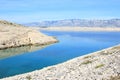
(44, 44)
(78, 68)
(78, 28)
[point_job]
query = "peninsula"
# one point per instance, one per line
(15, 35)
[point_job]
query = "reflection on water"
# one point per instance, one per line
(19, 50)
(71, 45)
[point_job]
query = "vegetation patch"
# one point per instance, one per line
(87, 57)
(87, 62)
(106, 53)
(117, 47)
(99, 66)
(28, 77)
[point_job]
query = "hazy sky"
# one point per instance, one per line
(23, 11)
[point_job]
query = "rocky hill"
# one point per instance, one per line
(14, 35)
(78, 22)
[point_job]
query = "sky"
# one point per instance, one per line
(25, 11)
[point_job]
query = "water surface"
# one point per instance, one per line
(71, 45)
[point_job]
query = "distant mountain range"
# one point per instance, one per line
(77, 22)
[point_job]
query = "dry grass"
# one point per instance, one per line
(106, 53)
(117, 47)
(87, 57)
(28, 77)
(99, 66)
(87, 62)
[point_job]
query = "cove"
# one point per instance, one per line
(16, 61)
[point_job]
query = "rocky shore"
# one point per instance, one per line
(100, 65)
(14, 35)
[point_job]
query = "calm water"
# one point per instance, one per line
(72, 44)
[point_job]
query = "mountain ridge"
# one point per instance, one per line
(77, 22)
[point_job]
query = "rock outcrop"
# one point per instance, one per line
(14, 35)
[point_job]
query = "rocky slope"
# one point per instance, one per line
(14, 35)
(101, 65)
(78, 22)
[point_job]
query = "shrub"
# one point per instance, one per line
(28, 77)
(100, 65)
(87, 62)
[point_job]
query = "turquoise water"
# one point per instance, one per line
(71, 44)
